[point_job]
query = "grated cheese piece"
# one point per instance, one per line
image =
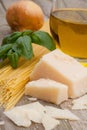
(49, 123)
(60, 113)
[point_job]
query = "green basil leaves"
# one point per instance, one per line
(13, 58)
(19, 44)
(43, 39)
(25, 47)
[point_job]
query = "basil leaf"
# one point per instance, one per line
(11, 38)
(44, 39)
(13, 58)
(5, 40)
(20, 44)
(4, 57)
(4, 49)
(25, 47)
(16, 48)
(27, 32)
(14, 36)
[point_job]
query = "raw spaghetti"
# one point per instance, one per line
(12, 81)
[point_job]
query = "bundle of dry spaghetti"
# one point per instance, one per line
(12, 82)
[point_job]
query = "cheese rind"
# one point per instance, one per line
(47, 90)
(60, 67)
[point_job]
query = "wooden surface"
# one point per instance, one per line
(65, 125)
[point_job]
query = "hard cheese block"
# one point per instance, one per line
(61, 67)
(47, 90)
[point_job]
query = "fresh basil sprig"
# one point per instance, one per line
(11, 38)
(13, 58)
(43, 39)
(4, 50)
(25, 47)
(19, 44)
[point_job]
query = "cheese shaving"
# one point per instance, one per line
(60, 113)
(80, 103)
(46, 115)
(18, 116)
(49, 123)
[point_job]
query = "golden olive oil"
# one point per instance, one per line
(69, 29)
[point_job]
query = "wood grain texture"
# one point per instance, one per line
(76, 3)
(2, 16)
(65, 125)
(7, 3)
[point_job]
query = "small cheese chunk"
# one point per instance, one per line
(47, 90)
(80, 103)
(32, 99)
(60, 113)
(49, 123)
(61, 67)
(18, 116)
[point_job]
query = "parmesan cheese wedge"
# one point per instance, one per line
(47, 90)
(80, 103)
(60, 113)
(61, 67)
(49, 123)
